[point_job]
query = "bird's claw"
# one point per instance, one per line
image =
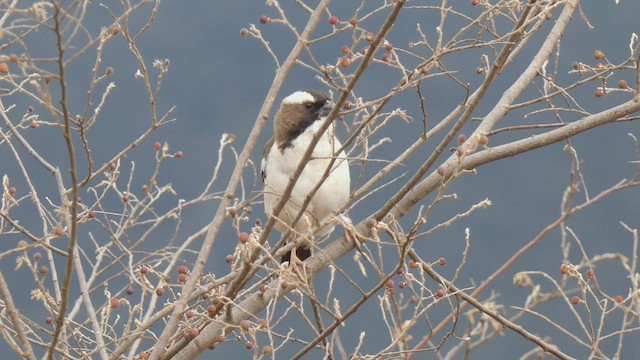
(297, 266)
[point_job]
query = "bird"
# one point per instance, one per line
(298, 119)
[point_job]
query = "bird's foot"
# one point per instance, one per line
(296, 265)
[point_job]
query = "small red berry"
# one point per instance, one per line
(483, 140)
(113, 166)
(413, 264)
(548, 16)
(389, 283)
(160, 291)
(221, 338)
(13, 58)
(179, 154)
(43, 270)
(619, 299)
(193, 333)
(244, 32)
(189, 314)
(599, 93)
(442, 261)
(402, 284)
(57, 231)
(91, 214)
(37, 256)
(182, 269)
(440, 293)
(333, 20)
(599, 66)
(347, 105)
(264, 19)
(424, 70)
(385, 58)
(4, 68)
(353, 21)
(462, 138)
(369, 37)
(441, 171)
(114, 303)
(400, 271)
(109, 71)
(22, 244)
(48, 320)
(575, 300)
(211, 310)
(233, 212)
(212, 346)
(267, 350)
(479, 70)
(622, 84)
(345, 50)
(590, 274)
(144, 270)
(182, 278)
(248, 345)
(598, 55)
(229, 259)
(345, 62)
(474, 2)
(12, 191)
(157, 146)
(243, 237)
(258, 222)
(262, 288)
(388, 47)
(130, 291)
(125, 198)
(564, 269)
(413, 299)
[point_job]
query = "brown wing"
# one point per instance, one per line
(265, 152)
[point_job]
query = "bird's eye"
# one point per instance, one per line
(308, 106)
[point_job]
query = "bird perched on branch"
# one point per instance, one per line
(299, 118)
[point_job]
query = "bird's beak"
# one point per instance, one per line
(326, 108)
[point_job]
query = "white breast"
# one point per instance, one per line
(333, 193)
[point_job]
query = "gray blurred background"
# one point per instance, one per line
(218, 79)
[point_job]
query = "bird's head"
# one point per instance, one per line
(297, 112)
